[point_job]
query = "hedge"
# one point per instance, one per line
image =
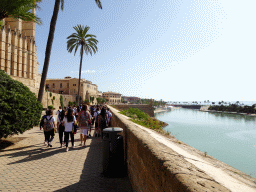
(19, 108)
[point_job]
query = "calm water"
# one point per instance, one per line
(227, 137)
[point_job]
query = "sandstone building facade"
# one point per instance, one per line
(112, 97)
(69, 86)
(18, 56)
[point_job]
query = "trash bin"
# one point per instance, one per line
(113, 152)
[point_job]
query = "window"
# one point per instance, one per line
(61, 85)
(61, 92)
(53, 85)
(74, 85)
(82, 84)
(88, 86)
(67, 85)
(74, 90)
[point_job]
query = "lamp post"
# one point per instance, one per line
(47, 87)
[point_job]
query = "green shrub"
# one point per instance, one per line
(50, 107)
(70, 103)
(61, 101)
(142, 118)
(19, 108)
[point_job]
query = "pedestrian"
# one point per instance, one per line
(69, 121)
(61, 127)
(42, 126)
(83, 123)
(58, 117)
(96, 115)
(109, 117)
(102, 121)
(49, 126)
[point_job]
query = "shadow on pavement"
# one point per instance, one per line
(38, 153)
(92, 179)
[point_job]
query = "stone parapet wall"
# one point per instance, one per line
(152, 166)
(145, 108)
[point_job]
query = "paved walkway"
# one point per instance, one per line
(31, 166)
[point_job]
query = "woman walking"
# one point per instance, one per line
(49, 126)
(69, 121)
(83, 123)
(102, 121)
(61, 127)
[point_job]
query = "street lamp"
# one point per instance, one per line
(47, 87)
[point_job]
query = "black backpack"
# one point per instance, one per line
(42, 122)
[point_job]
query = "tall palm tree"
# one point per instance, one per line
(88, 45)
(49, 44)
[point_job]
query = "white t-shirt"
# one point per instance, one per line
(52, 119)
(109, 115)
(68, 125)
(57, 113)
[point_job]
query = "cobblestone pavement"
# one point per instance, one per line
(29, 165)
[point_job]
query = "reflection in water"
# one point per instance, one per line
(235, 117)
(231, 138)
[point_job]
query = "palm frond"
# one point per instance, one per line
(88, 42)
(98, 2)
(62, 4)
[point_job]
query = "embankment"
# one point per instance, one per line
(159, 163)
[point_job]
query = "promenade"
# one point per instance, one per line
(29, 165)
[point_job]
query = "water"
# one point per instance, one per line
(242, 103)
(229, 138)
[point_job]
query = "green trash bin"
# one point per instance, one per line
(113, 152)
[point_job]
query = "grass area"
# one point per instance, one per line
(141, 118)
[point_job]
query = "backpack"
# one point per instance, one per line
(48, 125)
(103, 122)
(42, 122)
(83, 120)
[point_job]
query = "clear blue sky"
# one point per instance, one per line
(179, 50)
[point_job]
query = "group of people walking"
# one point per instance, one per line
(70, 119)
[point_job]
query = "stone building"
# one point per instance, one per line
(112, 97)
(69, 86)
(130, 99)
(18, 52)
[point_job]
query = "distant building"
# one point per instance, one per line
(100, 94)
(69, 86)
(130, 99)
(112, 97)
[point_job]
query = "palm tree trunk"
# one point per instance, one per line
(81, 61)
(48, 49)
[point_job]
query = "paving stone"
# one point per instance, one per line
(29, 165)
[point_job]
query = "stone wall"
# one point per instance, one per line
(56, 102)
(146, 108)
(153, 166)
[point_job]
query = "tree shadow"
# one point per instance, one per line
(92, 178)
(36, 154)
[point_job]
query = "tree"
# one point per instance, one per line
(87, 42)
(91, 99)
(20, 109)
(49, 44)
(19, 9)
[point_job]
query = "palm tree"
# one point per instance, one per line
(87, 42)
(49, 44)
(19, 10)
